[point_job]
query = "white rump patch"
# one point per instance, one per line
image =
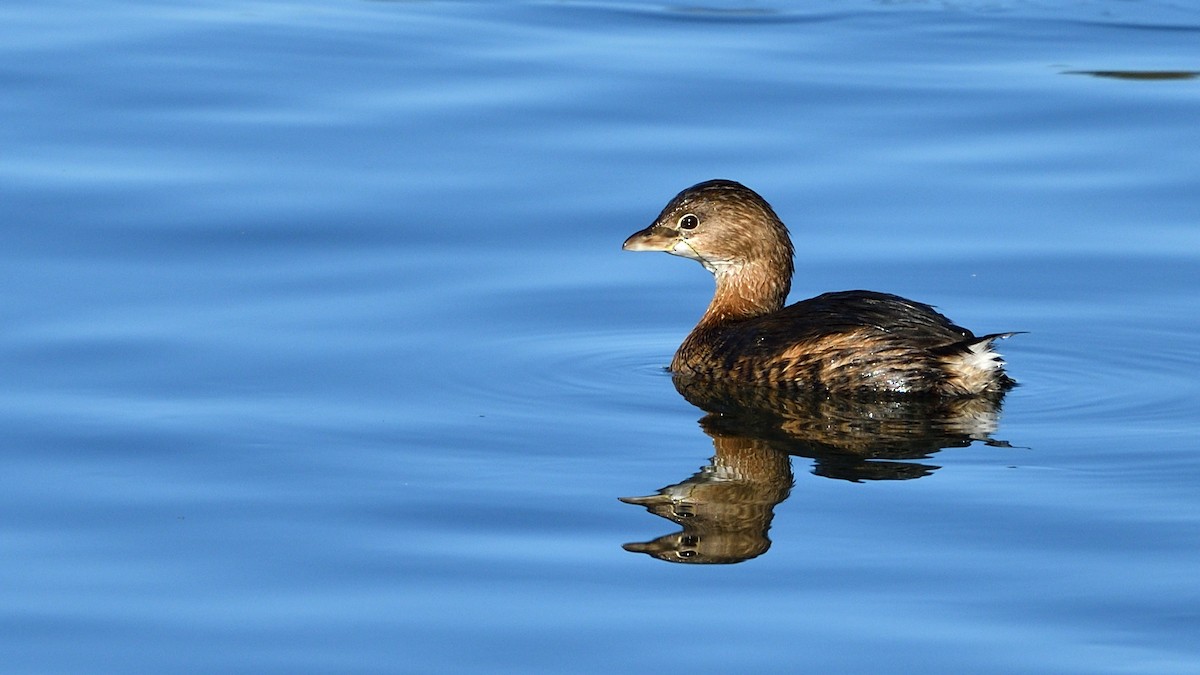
(974, 370)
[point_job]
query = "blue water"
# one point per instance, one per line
(321, 354)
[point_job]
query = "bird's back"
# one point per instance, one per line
(850, 342)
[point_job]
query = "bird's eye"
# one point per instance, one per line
(689, 222)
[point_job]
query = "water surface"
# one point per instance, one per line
(322, 355)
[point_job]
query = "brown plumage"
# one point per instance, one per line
(850, 342)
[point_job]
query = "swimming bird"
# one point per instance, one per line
(848, 342)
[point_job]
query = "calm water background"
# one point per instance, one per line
(320, 353)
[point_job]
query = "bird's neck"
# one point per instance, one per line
(748, 290)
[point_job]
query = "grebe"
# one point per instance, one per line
(849, 342)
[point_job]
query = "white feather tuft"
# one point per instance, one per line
(975, 370)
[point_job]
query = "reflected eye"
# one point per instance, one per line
(688, 222)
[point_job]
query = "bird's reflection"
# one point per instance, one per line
(726, 508)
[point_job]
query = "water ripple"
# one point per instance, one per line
(1101, 385)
